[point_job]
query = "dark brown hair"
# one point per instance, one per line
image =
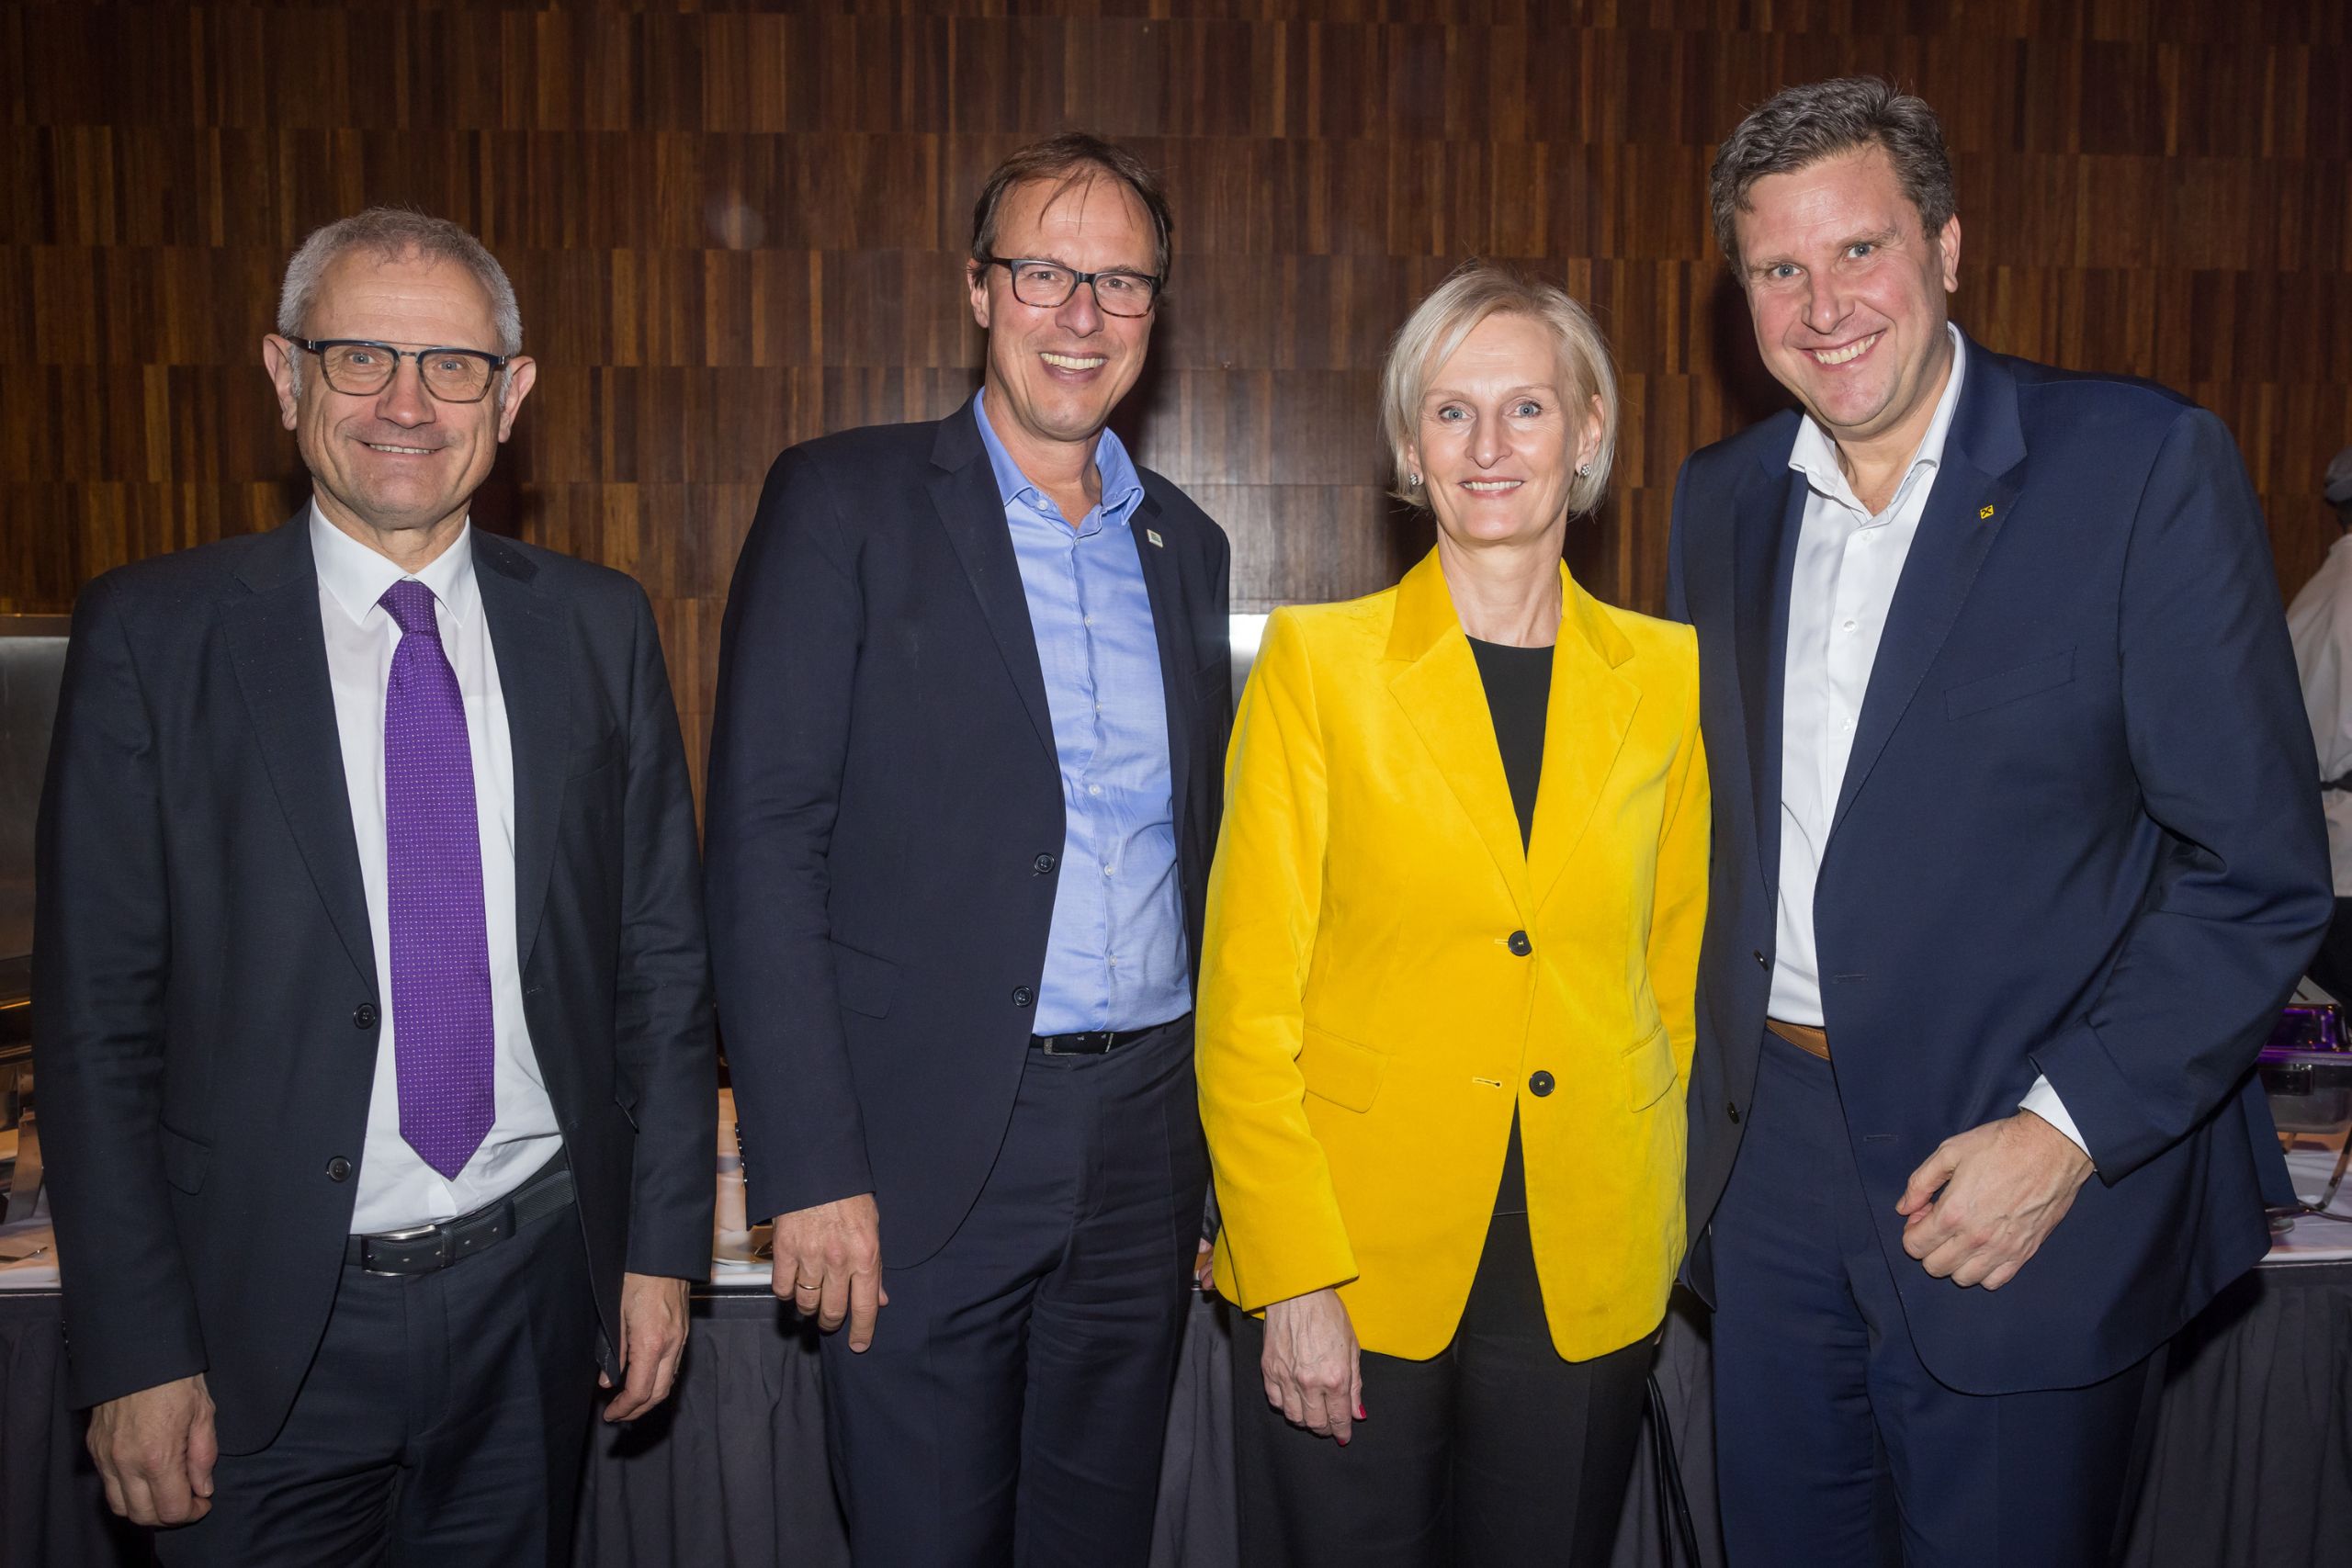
(1067, 158)
(1801, 126)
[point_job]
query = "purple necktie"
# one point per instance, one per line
(442, 1036)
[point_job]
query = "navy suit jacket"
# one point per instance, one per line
(206, 985)
(2078, 837)
(884, 821)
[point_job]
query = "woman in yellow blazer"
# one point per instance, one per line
(1446, 994)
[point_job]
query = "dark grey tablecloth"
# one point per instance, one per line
(2252, 1462)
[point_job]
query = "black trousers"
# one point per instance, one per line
(444, 1421)
(1495, 1451)
(1012, 1405)
(1819, 1392)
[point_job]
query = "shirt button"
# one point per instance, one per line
(1849, 625)
(1087, 620)
(1517, 942)
(1023, 996)
(1043, 865)
(1094, 789)
(338, 1169)
(363, 1016)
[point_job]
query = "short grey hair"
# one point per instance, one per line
(394, 233)
(1475, 291)
(1798, 127)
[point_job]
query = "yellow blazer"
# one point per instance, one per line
(1365, 1027)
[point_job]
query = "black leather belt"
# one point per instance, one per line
(424, 1248)
(1094, 1042)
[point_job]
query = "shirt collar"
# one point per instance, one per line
(1122, 486)
(1815, 454)
(358, 577)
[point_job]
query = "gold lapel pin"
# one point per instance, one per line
(1987, 511)
(1153, 533)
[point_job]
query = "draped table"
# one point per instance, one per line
(2252, 1459)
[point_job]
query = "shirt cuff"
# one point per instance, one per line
(2043, 1102)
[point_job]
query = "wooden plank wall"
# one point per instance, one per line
(734, 230)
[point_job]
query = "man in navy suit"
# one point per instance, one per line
(2016, 855)
(973, 698)
(375, 1033)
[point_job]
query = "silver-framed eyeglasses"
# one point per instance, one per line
(1048, 284)
(358, 368)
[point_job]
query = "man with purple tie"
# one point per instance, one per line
(374, 1024)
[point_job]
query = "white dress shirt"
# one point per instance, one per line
(1847, 563)
(2320, 623)
(397, 1188)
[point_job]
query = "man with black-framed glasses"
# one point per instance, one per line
(375, 1031)
(972, 709)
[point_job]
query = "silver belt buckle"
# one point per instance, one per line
(413, 1233)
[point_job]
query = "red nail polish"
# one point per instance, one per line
(1359, 1413)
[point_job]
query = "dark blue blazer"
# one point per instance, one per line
(2078, 837)
(206, 1026)
(884, 823)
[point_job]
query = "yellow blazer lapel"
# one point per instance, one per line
(1585, 725)
(1434, 677)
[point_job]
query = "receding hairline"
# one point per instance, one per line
(1077, 181)
(382, 256)
(390, 235)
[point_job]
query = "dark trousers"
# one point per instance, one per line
(1494, 1451)
(1820, 1396)
(444, 1422)
(1012, 1405)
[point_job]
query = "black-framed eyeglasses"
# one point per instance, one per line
(361, 369)
(1047, 284)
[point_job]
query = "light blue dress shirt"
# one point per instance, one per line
(1114, 951)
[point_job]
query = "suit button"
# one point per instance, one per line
(1023, 996)
(1517, 942)
(363, 1016)
(1731, 1109)
(1759, 960)
(1043, 865)
(338, 1169)
(1539, 1084)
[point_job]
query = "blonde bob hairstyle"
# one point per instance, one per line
(1475, 290)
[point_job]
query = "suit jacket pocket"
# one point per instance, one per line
(1346, 1074)
(2008, 686)
(1650, 1070)
(863, 983)
(184, 1160)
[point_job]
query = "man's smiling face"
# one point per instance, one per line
(1055, 374)
(1848, 291)
(399, 460)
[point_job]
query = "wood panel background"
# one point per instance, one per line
(734, 229)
